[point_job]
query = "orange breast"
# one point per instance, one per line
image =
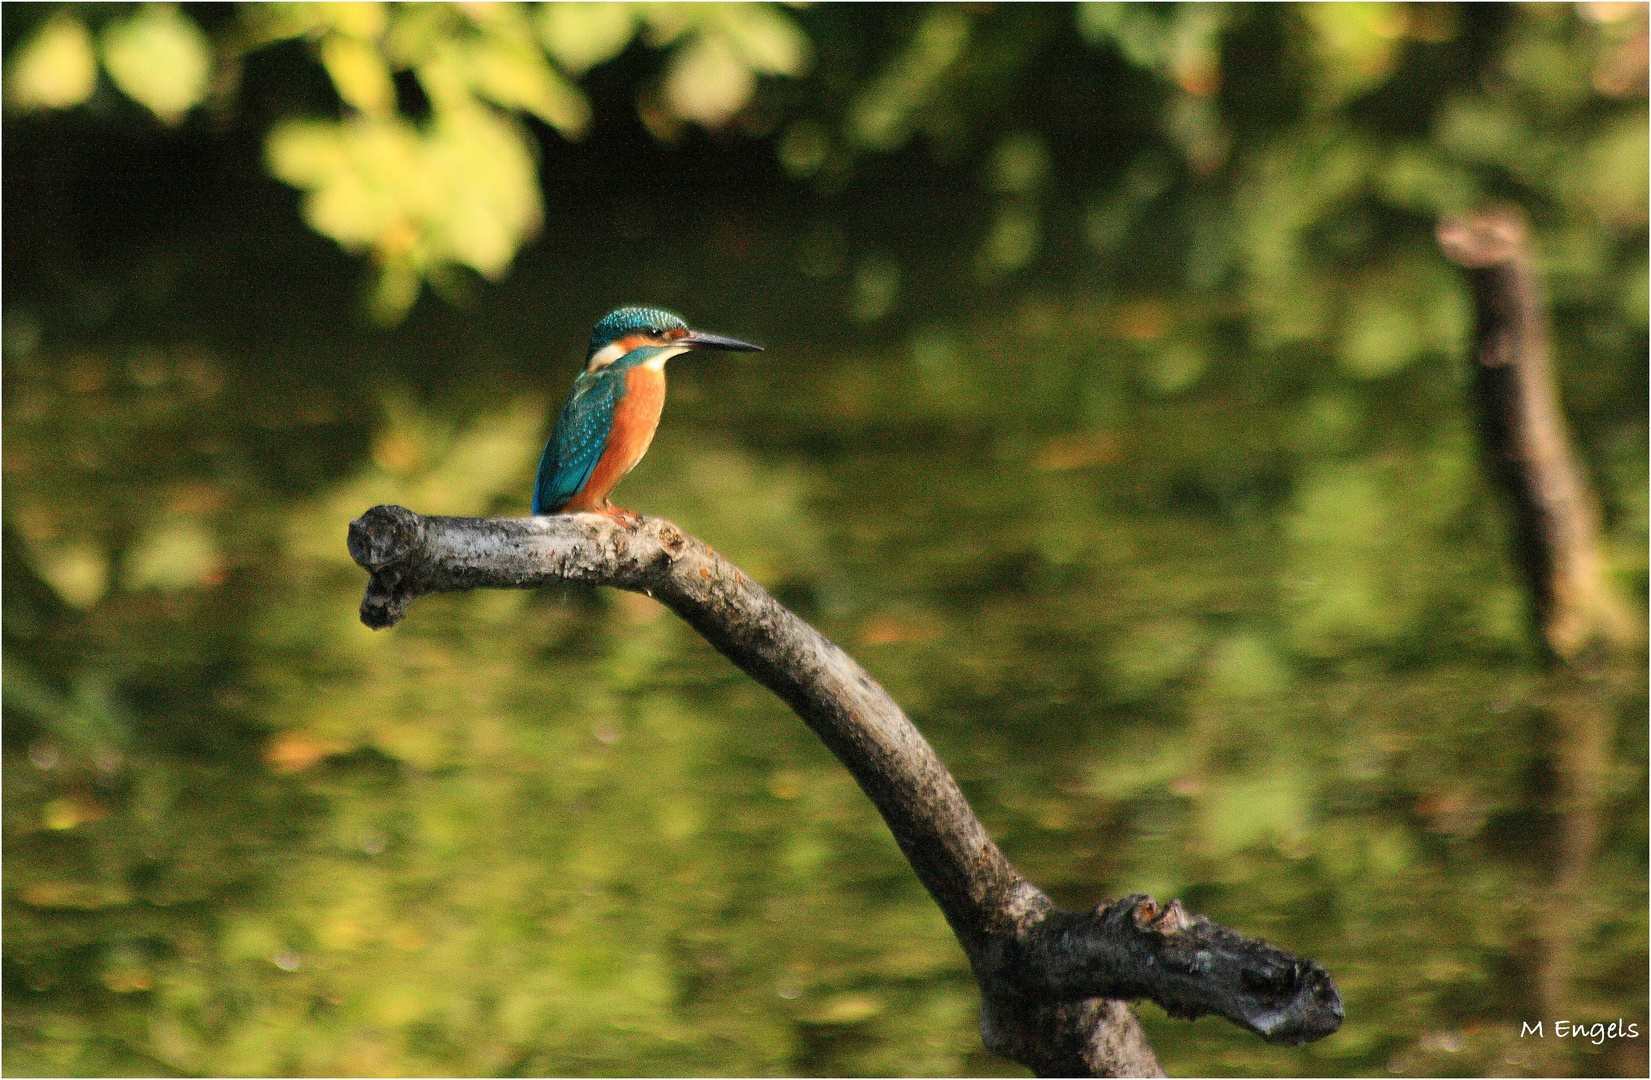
(634, 422)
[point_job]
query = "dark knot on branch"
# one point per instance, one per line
(383, 536)
(383, 541)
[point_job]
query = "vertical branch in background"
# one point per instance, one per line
(1524, 438)
(1528, 452)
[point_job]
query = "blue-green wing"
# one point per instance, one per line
(580, 437)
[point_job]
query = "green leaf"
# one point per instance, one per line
(1381, 335)
(1015, 236)
(174, 555)
(1134, 29)
(1609, 176)
(1357, 45)
(1019, 164)
(880, 118)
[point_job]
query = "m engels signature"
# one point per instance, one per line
(1570, 1029)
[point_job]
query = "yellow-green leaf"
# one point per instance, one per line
(359, 74)
(493, 191)
(580, 36)
(174, 555)
(303, 153)
(394, 291)
(707, 82)
(160, 59)
(77, 573)
(364, 21)
(768, 41)
(464, 192)
(517, 76)
(55, 69)
(363, 178)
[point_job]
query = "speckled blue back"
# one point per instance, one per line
(580, 437)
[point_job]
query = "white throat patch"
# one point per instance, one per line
(615, 350)
(656, 362)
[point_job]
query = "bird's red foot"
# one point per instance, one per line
(618, 514)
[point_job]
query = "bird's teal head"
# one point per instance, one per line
(628, 329)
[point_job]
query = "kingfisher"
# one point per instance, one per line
(611, 416)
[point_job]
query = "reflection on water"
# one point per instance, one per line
(1194, 627)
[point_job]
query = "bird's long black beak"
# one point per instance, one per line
(697, 339)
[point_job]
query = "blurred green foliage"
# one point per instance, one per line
(445, 178)
(1114, 415)
(456, 188)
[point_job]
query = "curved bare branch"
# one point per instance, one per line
(1050, 979)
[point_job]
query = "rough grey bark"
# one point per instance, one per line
(1052, 981)
(1524, 438)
